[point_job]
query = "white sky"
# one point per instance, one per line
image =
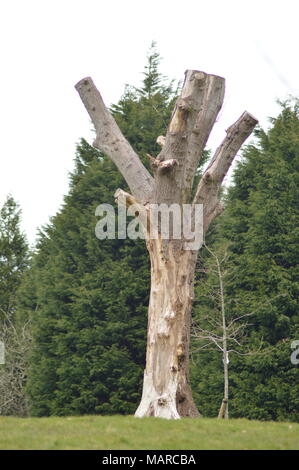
(47, 46)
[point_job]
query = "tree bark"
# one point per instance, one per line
(110, 140)
(166, 388)
(224, 343)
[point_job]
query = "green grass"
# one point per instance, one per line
(127, 432)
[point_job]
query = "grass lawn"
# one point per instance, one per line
(127, 432)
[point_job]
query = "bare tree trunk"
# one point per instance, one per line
(226, 389)
(224, 342)
(166, 389)
(223, 411)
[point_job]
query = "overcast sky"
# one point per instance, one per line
(48, 46)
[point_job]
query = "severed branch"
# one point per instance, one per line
(135, 208)
(161, 140)
(110, 140)
(123, 198)
(156, 163)
(190, 125)
(209, 185)
(236, 135)
(212, 90)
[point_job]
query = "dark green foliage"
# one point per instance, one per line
(14, 259)
(89, 297)
(260, 224)
(90, 318)
(143, 114)
(14, 256)
(265, 385)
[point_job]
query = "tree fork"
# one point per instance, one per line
(166, 388)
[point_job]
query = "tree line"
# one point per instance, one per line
(73, 310)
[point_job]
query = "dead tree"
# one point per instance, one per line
(221, 333)
(166, 389)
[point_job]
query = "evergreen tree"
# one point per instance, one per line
(14, 259)
(143, 113)
(89, 314)
(13, 255)
(261, 225)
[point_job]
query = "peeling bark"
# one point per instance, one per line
(166, 388)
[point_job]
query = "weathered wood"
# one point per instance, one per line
(192, 120)
(222, 410)
(213, 95)
(166, 388)
(236, 135)
(208, 188)
(110, 140)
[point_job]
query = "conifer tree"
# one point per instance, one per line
(260, 224)
(14, 259)
(88, 310)
(13, 255)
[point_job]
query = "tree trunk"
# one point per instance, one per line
(224, 342)
(226, 388)
(166, 388)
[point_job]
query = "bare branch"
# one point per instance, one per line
(237, 133)
(206, 347)
(137, 209)
(110, 140)
(201, 333)
(239, 318)
(124, 198)
(217, 344)
(207, 192)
